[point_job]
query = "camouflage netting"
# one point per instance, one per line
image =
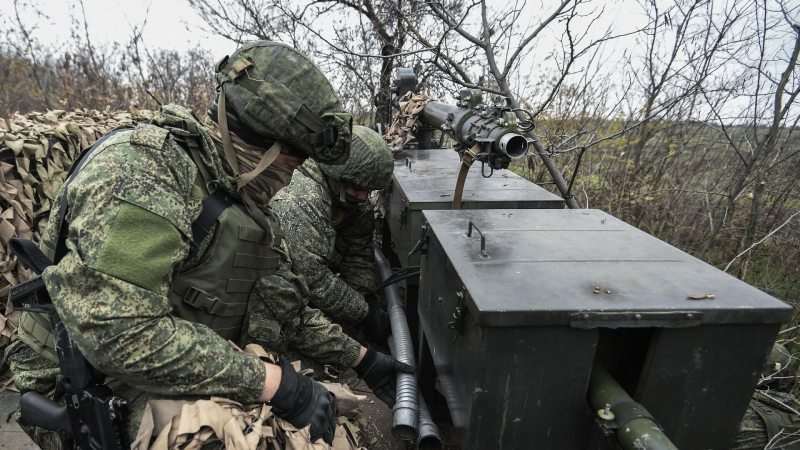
(36, 152)
(169, 424)
(405, 124)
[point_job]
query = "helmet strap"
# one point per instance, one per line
(227, 145)
(242, 180)
(230, 154)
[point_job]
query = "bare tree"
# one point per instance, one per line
(768, 116)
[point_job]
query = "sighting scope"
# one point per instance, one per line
(491, 131)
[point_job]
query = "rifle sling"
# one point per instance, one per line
(466, 162)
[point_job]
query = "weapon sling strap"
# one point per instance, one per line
(466, 162)
(29, 254)
(213, 206)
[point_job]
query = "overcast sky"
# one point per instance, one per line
(111, 21)
(169, 21)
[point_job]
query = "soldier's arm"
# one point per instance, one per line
(358, 261)
(130, 211)
(324, 341)
(307, 226)
(278, 310)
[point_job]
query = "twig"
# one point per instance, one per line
(762, 240)
(779, 402)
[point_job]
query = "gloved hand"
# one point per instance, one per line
(376, 323)
(301, 401)
(379, 371)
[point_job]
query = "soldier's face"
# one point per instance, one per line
(356, 191)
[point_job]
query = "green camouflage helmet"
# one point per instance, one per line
(370, 165)
(279, 93)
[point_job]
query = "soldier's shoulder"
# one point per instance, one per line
(151, 136)
(303, 190)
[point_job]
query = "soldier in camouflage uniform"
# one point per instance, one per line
(329, 225)
(150, 289)
(771, 420)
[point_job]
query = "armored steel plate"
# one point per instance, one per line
(586, 269)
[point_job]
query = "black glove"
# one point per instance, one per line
(377, 323)
(379, 372)
(370, 298)
(301, 401)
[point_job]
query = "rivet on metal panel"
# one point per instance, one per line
(596, 290)
(608, 291)
(638, 317)
(690, 316)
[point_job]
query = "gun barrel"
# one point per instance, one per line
(464, 126)
(632, 423)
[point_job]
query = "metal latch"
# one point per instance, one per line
(459, 316)
(422, 243)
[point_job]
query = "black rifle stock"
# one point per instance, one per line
(92, 417)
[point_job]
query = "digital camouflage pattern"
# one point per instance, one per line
(117, 309)
(370, 165)
(278, 92)
(111, 288)
(323, 245)
(36, 151)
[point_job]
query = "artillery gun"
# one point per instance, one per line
(540, 327)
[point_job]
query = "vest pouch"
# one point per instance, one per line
(216, 292)
(263, 330)
(778, 422)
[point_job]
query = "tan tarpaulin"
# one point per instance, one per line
(190, 425)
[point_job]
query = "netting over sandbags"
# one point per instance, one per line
(36, 152)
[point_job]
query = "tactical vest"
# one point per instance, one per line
(215, 291)
(776, 421)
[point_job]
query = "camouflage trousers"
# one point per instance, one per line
(33, 372)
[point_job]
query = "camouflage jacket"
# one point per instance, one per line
(321, 247)
(111, 288)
